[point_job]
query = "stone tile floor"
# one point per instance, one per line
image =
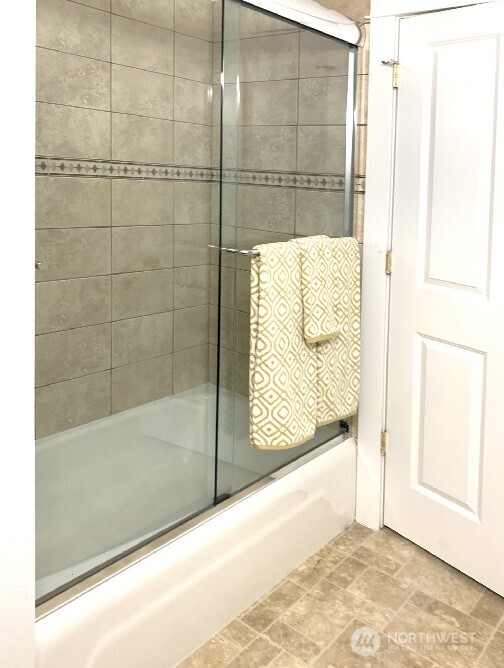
(415, 611)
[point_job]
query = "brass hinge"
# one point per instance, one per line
(395, 75)
(383, 443)
(389, 262)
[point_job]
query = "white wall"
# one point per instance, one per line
(17, 123)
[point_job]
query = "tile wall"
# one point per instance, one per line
(124, 116)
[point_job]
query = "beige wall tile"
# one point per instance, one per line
(136, 91)
(72, 202)
(193, 101)
(142, 202)
(194, 17)
(191, 245)
(74, 80)
(190, 327)
(72, 403)
(255, 24)
(142, 293)
(79, 302)
(243, 291)
(142, 338)
(77, 352)
(358, 222)
(268, 103)
(191, 286)
(362, 98)
(242, 332)
(360, 150)
(321, 148)
(363, 52)
(323, 101)
(193, 144)
(155, 12)
(142, 382)
(241, 374)
(319, 212)
(266, 148)
(193, 58)
(73, 253)
(73, 132)
(246, 238)
(142, 139)
(141, 45)
(267, 58)
(321, 56)
(74, 28)
(354, 9)
(142, 248)
(98, 4)
(192, 203)
(190, 368)
(227, 316)
(263, 208)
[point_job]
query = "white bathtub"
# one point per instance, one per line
(158, 610)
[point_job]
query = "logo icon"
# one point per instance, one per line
(365, 641)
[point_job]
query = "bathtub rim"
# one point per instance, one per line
(79, 589)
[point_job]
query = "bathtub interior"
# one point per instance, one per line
(108, 486)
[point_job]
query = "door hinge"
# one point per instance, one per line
(389, 262)
(383, 443)
(395, 71)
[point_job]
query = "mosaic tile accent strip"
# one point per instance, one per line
(86, 167)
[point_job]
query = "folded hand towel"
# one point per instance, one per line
(283, 366)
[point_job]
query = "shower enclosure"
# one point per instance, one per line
(166, 133)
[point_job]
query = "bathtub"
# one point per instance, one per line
(161, 603)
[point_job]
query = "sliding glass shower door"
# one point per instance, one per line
(286, 150)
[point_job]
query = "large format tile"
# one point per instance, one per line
(267, 58)
(286, 660)
(193, 144)
(142, 139)
(97, 4)
(392, 545)
(307, 617)
(296, 643)
(141, 45)
(321, 148)
(142, 202)
(79, 302)
(309, 573)
(73, 253)
(193, 58)
(192, 203)
(268, 103)
(381, 589)
(264, 208)
(74, 28)
(489, 608)
(66, 79)
(321, 56)
(78, 352)
(194, 17)
(142, 248)
(142, 293)
(190, 368)
(139, 92)
(493, 656)
(190, 327)
(191, 245)
(320, 213)
(71, 202)
(346, 572)
(142, 338)
(71, 403)
(193, 102)
(156, 12)
(216, 652)
(142, 382)
(73, 132)
(238, 633)
(256, 24)
(191, 286)
(267, 148)
(323, 101)
(259, 653)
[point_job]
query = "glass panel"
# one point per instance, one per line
(125, 410)
(286, 173)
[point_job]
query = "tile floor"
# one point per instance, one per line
(419, 612)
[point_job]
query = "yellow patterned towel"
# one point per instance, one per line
(338, 358)
(283, 366)
(319, 276)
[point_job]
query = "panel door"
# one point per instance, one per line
(444, 486)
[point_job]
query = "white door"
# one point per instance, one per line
(444, 479)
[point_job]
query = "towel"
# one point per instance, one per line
(283, 366)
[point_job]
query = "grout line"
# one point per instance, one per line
(111, 223)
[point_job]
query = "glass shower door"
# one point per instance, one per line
(287, 131)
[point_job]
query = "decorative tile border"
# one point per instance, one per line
(56, 166)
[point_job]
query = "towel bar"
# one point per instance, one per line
(236, 251)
